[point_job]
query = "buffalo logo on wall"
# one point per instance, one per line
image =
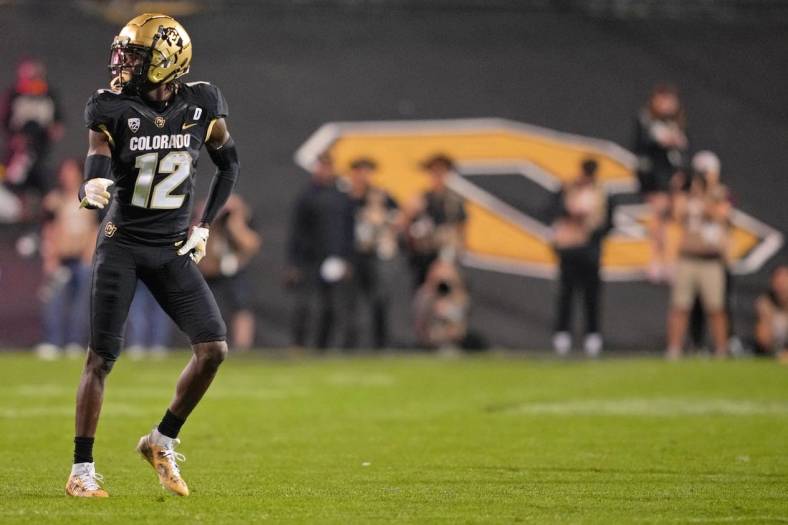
(509, 172)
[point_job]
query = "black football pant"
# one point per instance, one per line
(174, 280)
(579, 275)
(367, 281)
(330, 301)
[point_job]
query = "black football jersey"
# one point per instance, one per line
(154, 157)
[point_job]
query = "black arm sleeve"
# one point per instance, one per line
(226, 160)
(96, 167)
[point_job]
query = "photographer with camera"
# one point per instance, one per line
(441, 309)
(234, 242)
(435, 221)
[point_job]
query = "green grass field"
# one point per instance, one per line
(413, 440)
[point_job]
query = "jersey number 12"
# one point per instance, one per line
(176, 163)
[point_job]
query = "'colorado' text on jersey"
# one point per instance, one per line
(154, 157)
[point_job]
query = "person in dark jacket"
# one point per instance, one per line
(661, 146)
(435, 221)
(583, 218)
(319, 254)
(377, 218)
(32, 121)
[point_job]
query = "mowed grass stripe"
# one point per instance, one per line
(414, 440)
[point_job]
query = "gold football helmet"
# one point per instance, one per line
(151, 49)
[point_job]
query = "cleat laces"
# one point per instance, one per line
(90, 479)
(173, 457)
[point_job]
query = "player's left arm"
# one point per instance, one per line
(221, 149)
(94, 193)
(224, 155)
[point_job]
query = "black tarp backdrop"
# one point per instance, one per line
(286, 70)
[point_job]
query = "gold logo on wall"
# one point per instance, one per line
(501, 234)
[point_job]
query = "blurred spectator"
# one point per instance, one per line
(31, 121)
(149, 326)
(441, 307)
(771, 327)
(583, 218)
(700, 270)
(10, 204)
(661, 147)
(231, 247)
(707, 164)
(68, 238)
(319, 252)
(697, 320)
(435, 220)
(376, 218)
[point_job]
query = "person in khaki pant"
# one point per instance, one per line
(700, 269)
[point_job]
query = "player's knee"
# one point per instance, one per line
(97, 364)
(213, 353)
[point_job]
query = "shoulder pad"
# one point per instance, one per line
(209, 96)
(102, 108)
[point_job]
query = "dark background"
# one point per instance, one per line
(581, 67)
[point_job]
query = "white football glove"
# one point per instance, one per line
(195, 244)
(96, 193)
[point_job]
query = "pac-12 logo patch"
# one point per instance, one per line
(110, 229)
(134, 124)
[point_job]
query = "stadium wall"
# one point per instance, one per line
(286, 71)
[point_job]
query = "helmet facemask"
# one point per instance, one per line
(128, 65)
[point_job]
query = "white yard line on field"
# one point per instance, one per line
(651, 407)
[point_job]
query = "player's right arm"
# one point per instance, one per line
(94, 192)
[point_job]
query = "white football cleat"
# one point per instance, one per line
(75, 351)
(135, 352)
(84, 482)
(159, 451)
(562, 343)
(593, 345)
(48, 352)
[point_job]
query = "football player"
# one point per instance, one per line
(144, 140)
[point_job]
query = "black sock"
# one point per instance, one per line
(83, 449)
(170, 424)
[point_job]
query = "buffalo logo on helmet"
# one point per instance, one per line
(171, 36)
